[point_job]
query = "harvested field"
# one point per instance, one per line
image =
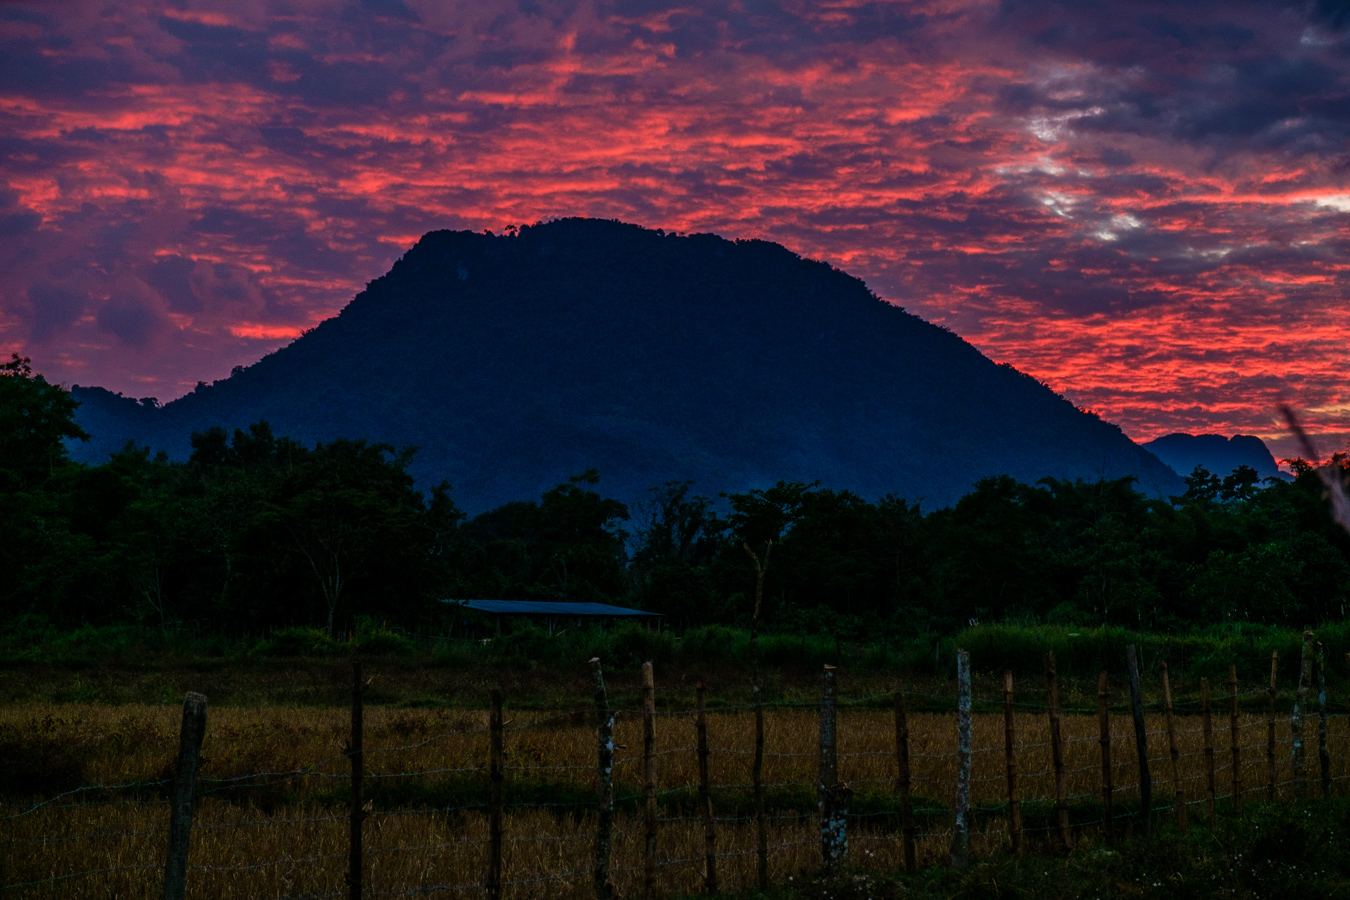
(272, 818)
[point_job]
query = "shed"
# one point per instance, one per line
(553, 611)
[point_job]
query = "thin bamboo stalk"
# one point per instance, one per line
(902, 782)
(1270, 728)
(1173, 749)
(496, 778)
(1209, 748)
(357, 755)
(705, 796)
(649, 780)
(1234, 741)
(1296, 720)
(1323, 753)
(1104, 724)
(1140, 741)
(1057, 752)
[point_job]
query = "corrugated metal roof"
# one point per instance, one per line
(548, 608)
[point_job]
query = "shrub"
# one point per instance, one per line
(299, 641)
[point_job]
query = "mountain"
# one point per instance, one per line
(1218, 454)
(516, 361)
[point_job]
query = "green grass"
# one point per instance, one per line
(119, 664)
(1268, 852)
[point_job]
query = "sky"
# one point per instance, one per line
(1145, 205)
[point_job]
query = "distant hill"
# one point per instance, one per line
(516, 361)
(1218, 454)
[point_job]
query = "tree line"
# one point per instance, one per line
(255, 531)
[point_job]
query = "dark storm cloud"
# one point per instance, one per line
(171, 276)
(133, 320)
(53, 309)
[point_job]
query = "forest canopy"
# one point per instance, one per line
(256, 532)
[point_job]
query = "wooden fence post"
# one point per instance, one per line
(1207, 726)
(1234, 739)
(1104, 727)
(356, 752)
(604, 888)
(1173, 750)
(757, 776)
(649, 779)
(190, 736)
(705, 797)
(834, 797)
(960, 854)
(496, 778)
(1140, 741)
(1296, 720)
(1323, 754)
(1057, 751)
(1270, 728)
(1010, 752)
(902, 782)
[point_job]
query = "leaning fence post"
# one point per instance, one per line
(1010, 753)
(960, 855)
(356, 753)
(190, 737)
(496, 777)
(833, 796)
(1140, 740)
(1270, 727)
(1208, 728)
(1056, 751)
(1173, 750)
(1323, 754)
(902, 782)
(1296, 720)
(1104, 727)
(1234, 737)
(705, 797)
(604, 888)
(649, 779)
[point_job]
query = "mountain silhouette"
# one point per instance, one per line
(515, 361)
(1218, 454)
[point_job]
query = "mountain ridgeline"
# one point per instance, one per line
(516, 361)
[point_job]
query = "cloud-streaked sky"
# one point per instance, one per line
(1146, 205)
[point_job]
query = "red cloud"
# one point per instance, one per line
(1152, 221)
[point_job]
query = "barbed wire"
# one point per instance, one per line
(150, 791)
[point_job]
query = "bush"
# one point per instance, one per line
(632, 645)
(715, 644)
(378, 640)
(299, 641)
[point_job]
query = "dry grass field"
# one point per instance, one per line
(271, 821)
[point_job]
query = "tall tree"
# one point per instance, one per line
(35, 419)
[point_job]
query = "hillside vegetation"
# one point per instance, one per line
(255, 532)
(516, 361)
